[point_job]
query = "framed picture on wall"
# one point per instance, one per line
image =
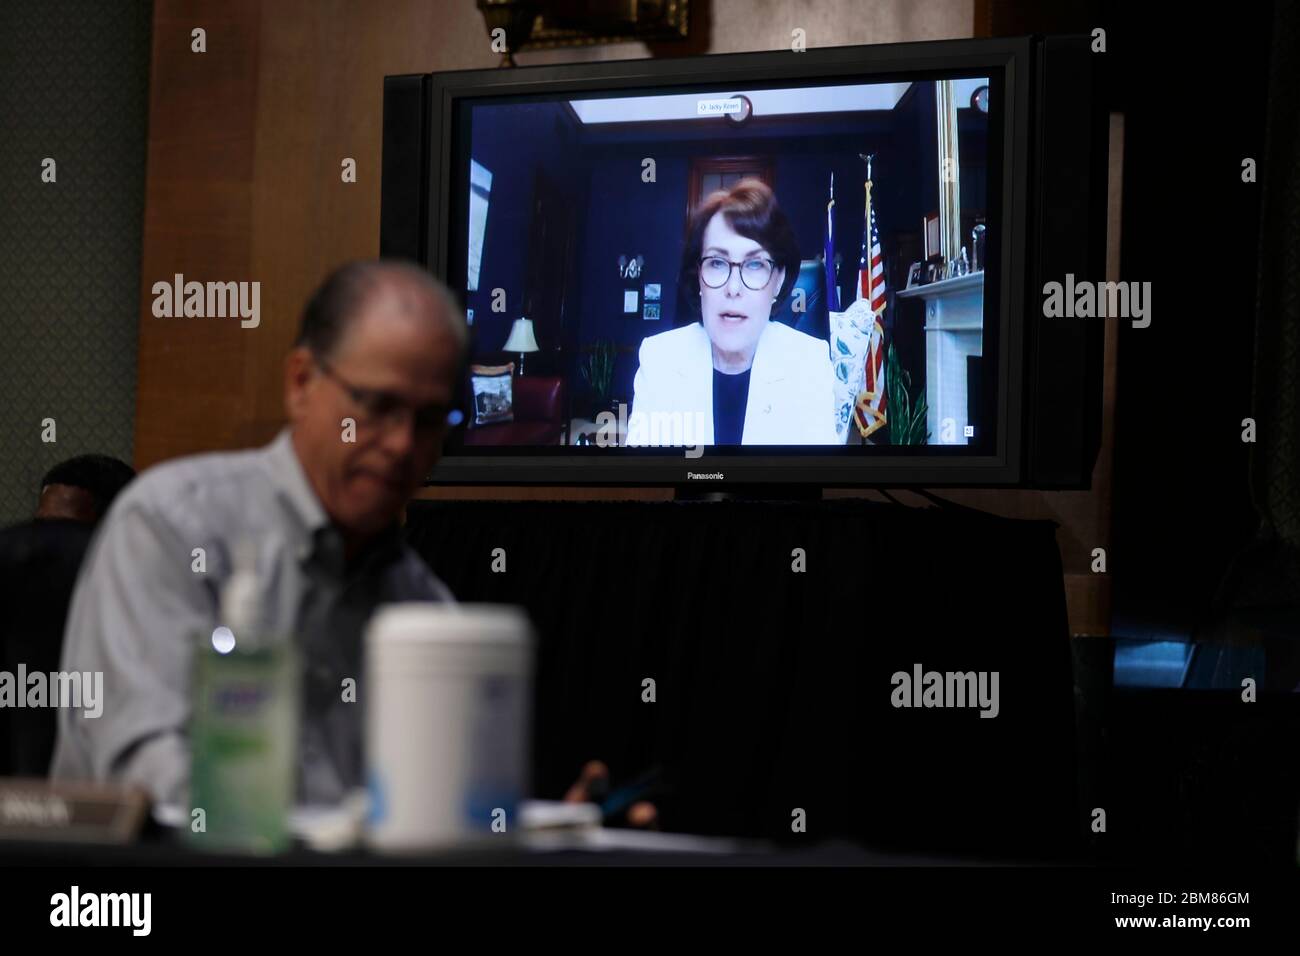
(930, 229)
(652, 292)
(651, 311)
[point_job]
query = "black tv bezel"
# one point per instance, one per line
(1004, 468)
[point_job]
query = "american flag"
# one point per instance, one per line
(870, 408)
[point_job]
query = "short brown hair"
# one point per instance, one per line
(750, 208)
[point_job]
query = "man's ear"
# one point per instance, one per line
(299, 368)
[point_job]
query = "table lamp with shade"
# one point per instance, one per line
(521, 340)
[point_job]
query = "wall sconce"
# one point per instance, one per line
(630, 268)
(515, 17)
(542, 24)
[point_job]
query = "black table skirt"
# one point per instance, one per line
(773, 687)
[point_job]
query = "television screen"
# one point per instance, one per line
(749, 269)
(769, 265)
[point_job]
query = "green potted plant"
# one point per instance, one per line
(598, 372)
(906, 422)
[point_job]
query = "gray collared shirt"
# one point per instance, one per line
(140, 607)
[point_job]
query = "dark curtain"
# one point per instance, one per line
(773, 688)
(1261, 593)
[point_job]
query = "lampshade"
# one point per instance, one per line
(521, 337)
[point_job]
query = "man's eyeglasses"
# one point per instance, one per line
(384, 408)
(716, 272)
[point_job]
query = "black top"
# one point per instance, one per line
(39, 561)
(730, 393)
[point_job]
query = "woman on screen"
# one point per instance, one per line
(735, 377)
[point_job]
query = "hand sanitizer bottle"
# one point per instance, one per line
(244, 732)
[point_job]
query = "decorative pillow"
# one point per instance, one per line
(491, 386)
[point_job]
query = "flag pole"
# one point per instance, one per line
(832, 288)
(866, 220)
(869, 401)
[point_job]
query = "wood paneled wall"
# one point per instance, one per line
(244, 183)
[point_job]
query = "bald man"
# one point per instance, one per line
(381, 344)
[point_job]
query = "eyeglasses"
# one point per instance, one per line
(715, 272)
(384, 408)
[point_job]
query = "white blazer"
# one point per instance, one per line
(791, 388)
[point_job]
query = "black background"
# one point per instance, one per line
(1192, 85)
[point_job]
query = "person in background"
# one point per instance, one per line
(39, 561)
(82, 488)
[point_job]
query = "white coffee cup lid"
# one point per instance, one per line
(445, 622)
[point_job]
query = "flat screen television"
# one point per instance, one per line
(799, 268)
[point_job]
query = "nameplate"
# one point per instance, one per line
(35, 809)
